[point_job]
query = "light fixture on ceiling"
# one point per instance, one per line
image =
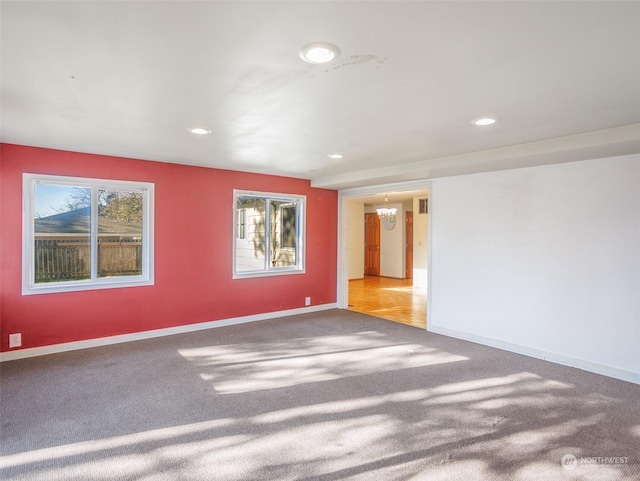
(482, 121)
(335, 156)
(199, 131)
(385, 212)
(319, 52)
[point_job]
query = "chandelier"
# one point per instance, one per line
(385, 211)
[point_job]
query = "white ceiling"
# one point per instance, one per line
(129, 79)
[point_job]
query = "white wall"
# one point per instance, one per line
(420, 250)
(543, 260)
(355, 236)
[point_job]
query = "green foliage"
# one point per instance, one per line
(122, 206)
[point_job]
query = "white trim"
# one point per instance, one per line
(168, 331)
(596, 368)
(431, 210)
(342, 283)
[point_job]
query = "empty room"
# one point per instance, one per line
(210, 210)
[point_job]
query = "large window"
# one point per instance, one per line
(269, 234)
(86, 234)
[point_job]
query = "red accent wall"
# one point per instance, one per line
(193, 252)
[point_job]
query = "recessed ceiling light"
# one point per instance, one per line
(199, 131)
(335, 156)
(484, 121)
(319, 52)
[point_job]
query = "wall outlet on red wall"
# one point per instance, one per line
(15, 340)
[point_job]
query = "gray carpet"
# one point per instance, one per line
(323, 396)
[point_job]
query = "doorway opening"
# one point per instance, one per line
(387, 261)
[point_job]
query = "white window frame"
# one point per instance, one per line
(299, 267)
(28, 234)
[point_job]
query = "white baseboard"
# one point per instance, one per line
(137, 336)
(596, 368)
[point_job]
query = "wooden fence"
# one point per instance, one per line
(70, 259)
(119, 257)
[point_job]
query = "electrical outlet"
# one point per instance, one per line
(307, 301)
(15, 340)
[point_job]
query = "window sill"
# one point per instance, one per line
(79, 286)
(252, 274)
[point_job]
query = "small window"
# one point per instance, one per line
(423, 206)
(269, 235)
(86, 234)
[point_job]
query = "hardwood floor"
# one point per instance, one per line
(393, 299)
